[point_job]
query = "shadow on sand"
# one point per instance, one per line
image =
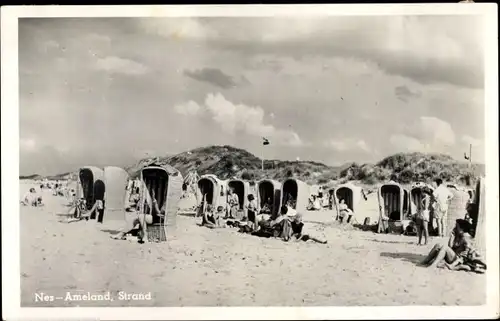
(408, 257)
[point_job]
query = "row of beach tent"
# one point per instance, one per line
(111, 185)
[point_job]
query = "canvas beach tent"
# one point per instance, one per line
(353, 195)
(416, 196)
(479, 225)
(456, 207)
(211, 191)
(90, 185)
(242, 189)
(393, 206)
(115, 180)
(270, 192)
(166, 183)
(296, 191)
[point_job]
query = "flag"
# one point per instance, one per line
(465, 156)
(265, 141)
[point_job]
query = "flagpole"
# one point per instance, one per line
(470, 155)
(262, 159)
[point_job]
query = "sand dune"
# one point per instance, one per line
(202, 267)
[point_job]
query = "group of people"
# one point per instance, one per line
(437, 201)
(286, 224)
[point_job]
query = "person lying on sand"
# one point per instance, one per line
(459, 253)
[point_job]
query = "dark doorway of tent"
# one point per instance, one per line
(290, 193)
(87, 183)
(270, 198)
(156, 182)
(238, 188)
(347, 195)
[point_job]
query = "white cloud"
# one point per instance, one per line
(348, 144)
(427, 134)
(240, 117)
(27, 144)
(120, 65)
(471, 140)
(405, 143)
(177, 28)
(191, 108)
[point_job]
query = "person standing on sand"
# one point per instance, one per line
(253, 210)
(423, 217)
(442, 198)
(234, 203)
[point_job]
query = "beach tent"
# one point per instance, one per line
(115, 180)
(393, 205)
(91, 185)
(270, 190)
(456, 208)
(242, 189)
(352, 195)
(480, 225)
(165, 182)
(297, 192)
(212, 190)
(416, 196)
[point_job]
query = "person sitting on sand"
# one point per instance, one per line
(141, 219)
(30, 198)
(459, 253)
(133, 201)
(211, 219)
(344, 211)
(97, 211)
(423, 217)
(297, 226)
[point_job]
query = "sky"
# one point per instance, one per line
(109, 91)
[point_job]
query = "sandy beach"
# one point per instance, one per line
(203, 267)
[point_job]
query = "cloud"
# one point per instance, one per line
(120, 65)
(213, 76)
(406, 143)
(434, 131)
(348, 144)
(427, 134)
(469, 140)
(191, 108)
(27, 144)
(404, 93)
(240, 117)
(423, 48)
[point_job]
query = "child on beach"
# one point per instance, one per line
(459, 253)
(252, 208)
(423, 217)
(211, 219)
